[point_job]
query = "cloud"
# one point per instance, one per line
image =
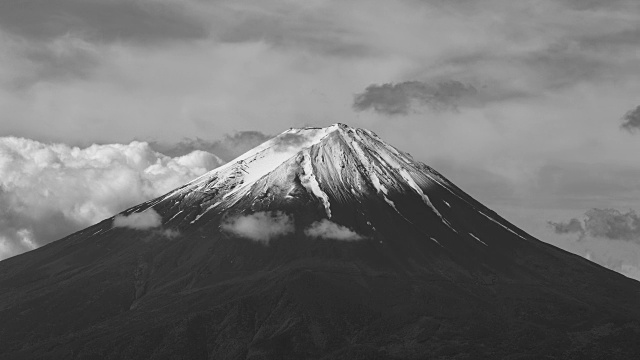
(261, 226)
(613, 224)
(288, 141)
(572, 226)
(140, 221)
(228, 148)
(145, 21)
(48, 191)
(631, 120)
(609, 237)
(609, 224)
(329, 230)
(170, 233)
(313, 27)
(403, 98)
(66, 58)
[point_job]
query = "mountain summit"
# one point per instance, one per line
(320, 243)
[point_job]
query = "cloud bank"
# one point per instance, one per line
(403, 98)
(147, 219)
(48, 191)
(327, 229)
(261, 226)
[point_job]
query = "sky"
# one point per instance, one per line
(532, 107)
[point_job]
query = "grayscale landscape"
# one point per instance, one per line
(275, 179)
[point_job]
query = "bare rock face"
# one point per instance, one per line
(321, 243)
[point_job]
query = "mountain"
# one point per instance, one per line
(321, 243)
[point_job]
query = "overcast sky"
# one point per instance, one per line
(533, 107)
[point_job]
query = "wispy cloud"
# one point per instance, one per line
(573, 226)
(327, 229)
(261, 226)
(144, 220)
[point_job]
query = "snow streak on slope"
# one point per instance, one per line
(310, 182)
(389, 160)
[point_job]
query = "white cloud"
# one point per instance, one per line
(141, 221)
(260, 226)
(48, 191)
(330, 230)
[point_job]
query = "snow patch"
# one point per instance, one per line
(310, 182)
(436, 241)
(174, 216)
(506, 228)
(251, 166)
(407, 177)
(392, 204)
(475, 237)
(205, 211)
(369, 167)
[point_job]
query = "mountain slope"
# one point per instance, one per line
(319, 243)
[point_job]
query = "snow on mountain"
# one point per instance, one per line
(337, 159)
(338, 169)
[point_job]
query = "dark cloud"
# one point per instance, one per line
(613, 224)
(573, 226)
(100, 20)
(631, 120)
(402, 98)
(227, 148)
(609, 224)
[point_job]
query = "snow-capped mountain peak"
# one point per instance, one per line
(337, 163)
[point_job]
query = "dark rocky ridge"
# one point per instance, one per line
(438, 276)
